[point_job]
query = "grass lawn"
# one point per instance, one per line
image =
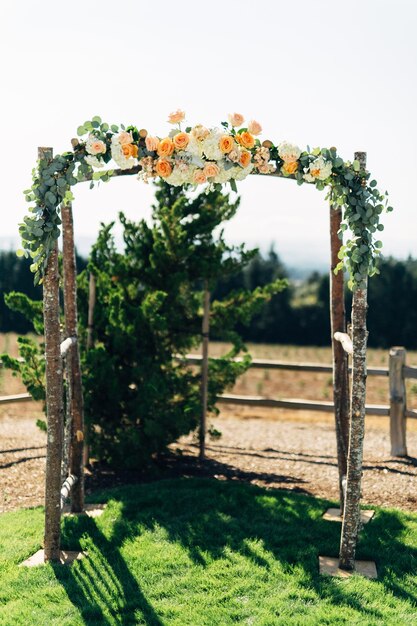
(194, 552)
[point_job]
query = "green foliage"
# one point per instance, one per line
(206, 553)
(138, 398)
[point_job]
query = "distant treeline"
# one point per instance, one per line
(299, 315)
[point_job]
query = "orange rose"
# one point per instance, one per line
(246, 140)
(130, 150)
(181, 141)
(163, 168)
(226, 144)
(152, 143)
(199, 177)
(290, 168)
(245, 158)
(211, 169)
(166, 147)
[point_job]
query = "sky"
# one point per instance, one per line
(320, 73)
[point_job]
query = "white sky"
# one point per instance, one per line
(318, 73)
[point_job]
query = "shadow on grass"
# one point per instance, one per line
(101, 585)
(210, 519)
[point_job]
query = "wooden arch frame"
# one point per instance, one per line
(349, 417)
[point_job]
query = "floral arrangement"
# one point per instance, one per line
(195, 156)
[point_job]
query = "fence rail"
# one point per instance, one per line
(396, 376)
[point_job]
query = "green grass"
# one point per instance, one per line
(196, 552)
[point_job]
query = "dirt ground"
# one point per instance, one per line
(276, 449)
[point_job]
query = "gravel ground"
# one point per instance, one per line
(277, 449)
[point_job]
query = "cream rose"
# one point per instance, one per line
(289, 152)
(124, 137)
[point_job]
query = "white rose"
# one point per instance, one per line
(289, 152)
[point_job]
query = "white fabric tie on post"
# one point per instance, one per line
(66, 345)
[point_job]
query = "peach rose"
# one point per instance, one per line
(234, 156)
(166, 147)
(254, 127)
(163, 168)
(290, 168)
(130, 150)
(152, 143)
(211, 169)
(125, 137)
(181, 141)
(245, 158)
(236, 119)
(226, 143)
(199, 177)
(176, 117)
(246, 140)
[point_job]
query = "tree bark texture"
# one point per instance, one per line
(204, 372)
(54, 401)
(73, 360)
(351, 515)
(340, 358)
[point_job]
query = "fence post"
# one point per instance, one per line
(398, 401)
(54, 400)
(204, 372)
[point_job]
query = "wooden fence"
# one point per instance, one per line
(397, 373)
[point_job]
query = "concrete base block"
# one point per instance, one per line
(333, 515)
(329, 566)
(91, 510)
(66, 557)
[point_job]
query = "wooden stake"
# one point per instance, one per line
(204, 372)
(73, 360)
(351, 515)
(340, 358)
(398, 404)
(54, 400)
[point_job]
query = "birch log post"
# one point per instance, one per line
(204, 372)
(398, 404)
(351, 514)
(340, 357)
(76, 466)
(54, 401)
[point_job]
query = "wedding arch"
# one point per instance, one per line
(199, 156)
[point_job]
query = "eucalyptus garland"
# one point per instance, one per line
(202, 156)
